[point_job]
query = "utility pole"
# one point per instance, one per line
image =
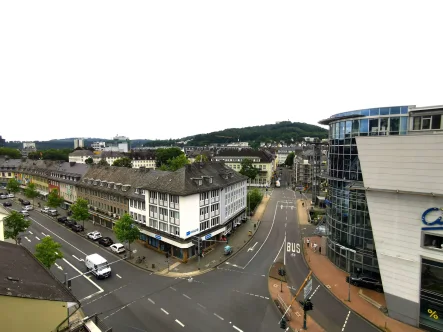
(167, 260)
(199, 253)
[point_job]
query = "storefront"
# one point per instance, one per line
(180, 250)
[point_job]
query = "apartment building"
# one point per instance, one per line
(139, 159)
(8, 169)
(261, 159)
(144, 159)
(80, 156)
(283, 153)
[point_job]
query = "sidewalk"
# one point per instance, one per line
(283, 298)
(335, 280)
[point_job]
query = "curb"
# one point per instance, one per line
(350, 309)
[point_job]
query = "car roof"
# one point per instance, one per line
(97, 258)
(118, 245)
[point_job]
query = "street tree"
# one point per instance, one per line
(290, 159)
(123, 162)
(248, 169)
(15, 224)
(201, 158)
(162, 156)
(80, 210)
(89, 161)
(126, 230)
(48, 251)
(175, 163)
(54, 199)
(103, 162)
(253, 199)
(13, 186)
(31, 192)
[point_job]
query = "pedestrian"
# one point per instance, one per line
(307, 242)
(315, 247)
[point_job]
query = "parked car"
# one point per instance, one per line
(25, 213)
(25, 202)
(44, 209)
(7, 204)
(11, 196)
(105, 241)
(28, 207)
(94, 235)
(53, 212)
(3, 196)
(21, 200)
(77, 228)
(70, 222)
(118, 248)
(62, 219)
(366, 282)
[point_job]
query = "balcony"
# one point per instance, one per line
(161, 202)
(152, 201)
(173, 205)
(206, 215)
(202, 217)
(206, 201)
(202, 203)
(172, 220)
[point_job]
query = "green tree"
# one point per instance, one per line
(201, 158)
(162, 156)
(13, 186)
(31, 192)
(290, 159)
(54, 199)
(253, 199)
(175, 163)
(11, 153)
(123, 162)
(15, 224)
(48, 251)
(89, 161)
(80, 210)
(103, 162)
(126, 230)
(248, 169)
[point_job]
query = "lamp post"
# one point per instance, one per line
(349, 268)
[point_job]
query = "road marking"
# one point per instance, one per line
(100, 290)
(167, 313)
(104, 295)
(57, 236)
(252, 248)
(173, 289)
(27, 239)
(282, 245)
(30, 232)
(218, 316)
(118, 276)
(38, 239)
(314, 292)
(235, 327)
(346, 321)
(180, 323)
(58, 266)
(187, 296)
(286, 218)
(201, 305)
(79, 259)
(272, 226)
(151, 301)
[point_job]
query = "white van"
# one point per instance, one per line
(53, 213)
(98, 266)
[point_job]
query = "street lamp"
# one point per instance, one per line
(349, 268)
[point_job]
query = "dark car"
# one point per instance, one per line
(25, 202)
(77, 228)
(105, 241)
(366, 282)
(7, 204)
(20, 200)
(70, 222)
(62, 219)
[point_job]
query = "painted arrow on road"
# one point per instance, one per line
(79, 259)
(58, 266)
(252, 248)
(27, 239)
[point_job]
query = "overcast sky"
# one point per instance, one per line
(169, 69)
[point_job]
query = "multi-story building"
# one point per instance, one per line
(302, 172)
(98, 146)
(261, 159)
(139, 159)
(80, 156)
(79, 143)
(172, 208)
(2, 142)
(283, 153)
(192, 155)
(8, 169)
(28, 147)
(144, 159)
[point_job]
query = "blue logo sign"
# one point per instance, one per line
(436, 222)
(208, 236)
(158, 237)
(190, 232)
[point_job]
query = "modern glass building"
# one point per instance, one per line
(347, 218)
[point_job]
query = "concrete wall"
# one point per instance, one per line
(23, 315)
(189, 215)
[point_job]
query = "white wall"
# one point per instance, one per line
(225, 203)
(189, 215)
(136, 210)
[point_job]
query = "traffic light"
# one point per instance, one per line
(308, 305)
(283, 324)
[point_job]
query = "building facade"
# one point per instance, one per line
(8, 169)
(348, 221)
(79, 143)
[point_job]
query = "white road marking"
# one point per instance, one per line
(314, 292)
(79, 259)
(151, 301)
(118, 276)
(272, 226)
(173, 289)
(57, 236)
(100, 290)
(346, 321)
(58, 266)
(282, 245)
(201, 305)
(218, 316)
(235, 327)
(180, 323)
(27, 239)
(38, 239)
(167, 313)
(30, 232)
(186, 296)
(252, 248)
(100, 297)
(286, 218)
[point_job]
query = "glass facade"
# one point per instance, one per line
(431, 295)
(347, 217)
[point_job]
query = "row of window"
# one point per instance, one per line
(204, 225)
(164, 227)
(427, 122)
(154, 195)
(137, 204)
(103, 195)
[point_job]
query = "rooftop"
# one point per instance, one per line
(265, 156)
(82, 153)
(22, 275)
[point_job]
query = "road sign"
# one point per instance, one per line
(208, 236)
(308, 289)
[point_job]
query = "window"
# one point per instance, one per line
(204, 196)
(175, 230)
(416, 123)
(426, 123)
(153, 223)
(153, 194)
(394, 126)
(214, 193)
(152, 211)
(214, 207)
(163, 226)
(204, 225)
(215, 221)
(173, 199)
(163, 214)
(436, 121)
(373, 126)
(163, 197)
